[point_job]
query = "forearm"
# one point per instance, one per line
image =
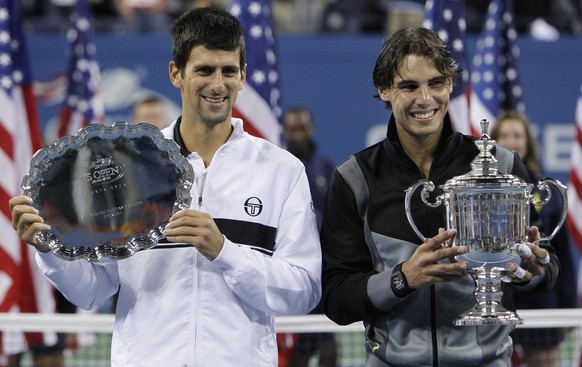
(83, 283)
(346, 299)
(275, 284)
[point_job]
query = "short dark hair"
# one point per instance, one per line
(213, 28)
(411, 41)
(297, 109)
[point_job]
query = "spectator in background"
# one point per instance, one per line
(151, 110)
(403, 13)
(295, 350)
(343, 16)
(298, 128)
(543, 19)
(374, 17)
(54, 15)
(568, 15)
(52, 355)
(42, 355)
(540, 346)
(177, 7)
(299, 16)
(144, 15)
(105, 16)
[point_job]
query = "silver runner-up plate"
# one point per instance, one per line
(108, 190)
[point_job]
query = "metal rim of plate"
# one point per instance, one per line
(45, 157)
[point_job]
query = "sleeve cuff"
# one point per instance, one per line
(227, 256)
(537, 279)
(380, 292)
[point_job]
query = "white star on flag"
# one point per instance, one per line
(494, 78)
(447, 19)
(82, 104)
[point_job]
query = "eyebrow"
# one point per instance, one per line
(234, 67)
(440, 78)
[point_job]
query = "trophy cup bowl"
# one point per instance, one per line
(490, 212)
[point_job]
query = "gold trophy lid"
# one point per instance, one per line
(484, 168)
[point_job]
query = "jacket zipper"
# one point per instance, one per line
(433, 316)
(201, 185)
(435, 350)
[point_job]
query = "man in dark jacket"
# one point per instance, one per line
(299, 131)
(375, 268)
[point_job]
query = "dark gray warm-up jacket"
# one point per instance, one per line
(364, 239)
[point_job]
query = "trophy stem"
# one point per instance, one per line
(488, 310)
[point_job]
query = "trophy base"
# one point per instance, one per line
(488, 294)
(488, 315)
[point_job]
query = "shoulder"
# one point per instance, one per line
(272, 152)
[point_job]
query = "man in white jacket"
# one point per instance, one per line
(246, 250)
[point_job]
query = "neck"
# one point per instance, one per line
(203, 139)
(421, 151)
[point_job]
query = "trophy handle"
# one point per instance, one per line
(545, 186)
(428, 186)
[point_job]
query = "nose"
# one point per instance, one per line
(216, 84)
(424, 97)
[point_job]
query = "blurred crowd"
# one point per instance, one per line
(116, 16)
(544, 17)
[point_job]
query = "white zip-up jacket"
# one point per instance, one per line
(175, 307)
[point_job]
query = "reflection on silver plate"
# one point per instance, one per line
(108, 191)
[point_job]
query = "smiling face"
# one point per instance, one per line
(419, 98)
(512, 134)
(209, 84)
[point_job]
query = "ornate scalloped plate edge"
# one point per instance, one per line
(32, 182)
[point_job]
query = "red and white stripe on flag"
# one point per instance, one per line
(22, 287)
(574, 218)
(258, 102)
(259, 118)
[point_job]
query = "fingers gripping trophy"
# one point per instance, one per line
(490, 212)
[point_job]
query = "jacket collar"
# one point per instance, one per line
(237, 131)
(443, 150)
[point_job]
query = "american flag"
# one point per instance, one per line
(494, 76)
(258, 102)
(447, 18)
(574, 218)
(22, 287)
(82, 104)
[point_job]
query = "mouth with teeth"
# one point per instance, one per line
(423, 115)
(214, 100)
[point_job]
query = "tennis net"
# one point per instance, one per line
(93, 334)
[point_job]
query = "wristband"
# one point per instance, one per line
(398, 282)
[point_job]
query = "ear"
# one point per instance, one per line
(175, 75)
(384, 94)
(243, 77)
